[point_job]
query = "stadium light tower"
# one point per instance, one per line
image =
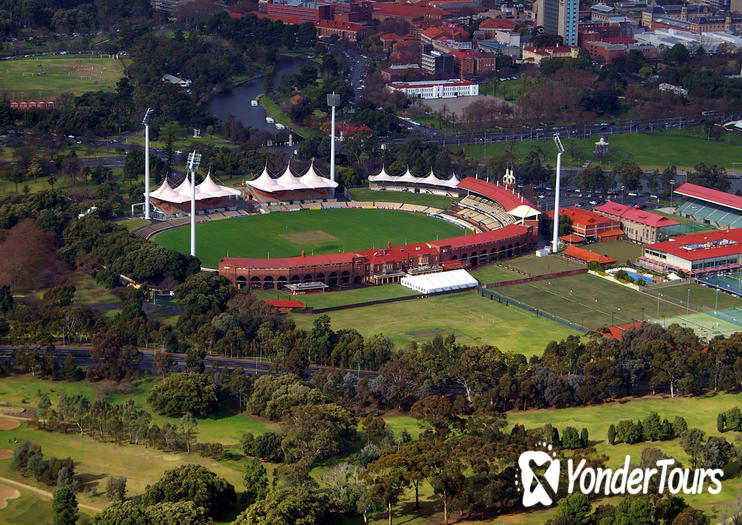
(560, 150)
(333, 100)
(145, 123)
(194, 159)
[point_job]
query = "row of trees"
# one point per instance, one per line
(651, 428)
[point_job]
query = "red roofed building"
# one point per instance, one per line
(348, 128)
(26, 105)
(376, 266)
(490, 26)
(536, 55)
(285, 305)
(586, 256)
(590, 225)
(344, 30)
(389, 10)
(697, 253)
(388, 39)
(710, 206)
(638, 225)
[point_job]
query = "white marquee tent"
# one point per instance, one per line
(439, 282)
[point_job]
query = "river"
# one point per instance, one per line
(237, 101)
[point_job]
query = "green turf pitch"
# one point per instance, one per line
(41, 77)
(473, 319)
(271, 235)
(589, 301)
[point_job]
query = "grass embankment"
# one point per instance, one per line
(340, 297)
(274, 111)
(422, 199)
(318, 232)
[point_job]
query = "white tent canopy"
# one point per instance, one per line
(439, 282)
(208, 189)
(289, 182)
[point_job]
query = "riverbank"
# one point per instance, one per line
(274, 111)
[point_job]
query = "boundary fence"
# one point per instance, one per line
(539, 313)
(533, 278)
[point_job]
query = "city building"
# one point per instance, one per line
(568, 16)
(491, 26)
(400, 72)
(436, 88)
(172, 202)
(637, 225)
(289, 187)
(409, 13)
(534, 55)
(696, 254)
(437, 63)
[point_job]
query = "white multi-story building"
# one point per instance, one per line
(436, 88)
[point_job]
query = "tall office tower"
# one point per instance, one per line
(547, 16)
(568, 16)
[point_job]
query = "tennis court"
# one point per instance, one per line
(731, 282)
(708, 325)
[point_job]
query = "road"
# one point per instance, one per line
(81, 355)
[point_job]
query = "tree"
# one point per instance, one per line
(691, 516)
(306, 34)
(176, 513)
(710, 176)
(192, 483)
(677, 54)
(256, 480)
(291, 504)
(194, 361)
(122, 513)
(6, 299)
(570, 438)
(577, 507)
(163, 363)
(387, 480)
(114, 359)
(116, 488)
(629, 173)
(692, 442)
(64, 507)
(184, 392)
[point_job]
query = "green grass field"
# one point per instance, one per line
(48, 76)
(28, 509)
(619, 250)
(491, 273)
(340, 297)
(533, 265)
(649, 150)
(474, 320)
(588, 300)
(287, 234)
(423, 199)
(701, 297)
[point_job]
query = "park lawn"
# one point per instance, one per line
(29, 509)
(88, 292)
(96, 460)
(315, 232)
(473, 319)
(649, 150)
(619, 250)
(340, 297)
(588, 300)
(183, 139)
(533, 265)
(492, 273)
(46, 77)
(274, 111)
(423, 199)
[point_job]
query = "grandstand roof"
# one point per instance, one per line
(208, 189)
(710, 195)
(705, 245)
(408, 177)
(286, 262)
(289, 182)
(635, 214)
(511, 230)
(505, 197)
(587, 256)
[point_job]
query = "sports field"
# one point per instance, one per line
(473, 319)
(340, 297)
(39, 77)
(731, 282)
(588, 300)
(533, 265)
(701, 298)
(619, 250)
(318, 232)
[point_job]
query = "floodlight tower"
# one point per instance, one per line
(333, 100)
(145, 123)
(560, 150)
(194, 159)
